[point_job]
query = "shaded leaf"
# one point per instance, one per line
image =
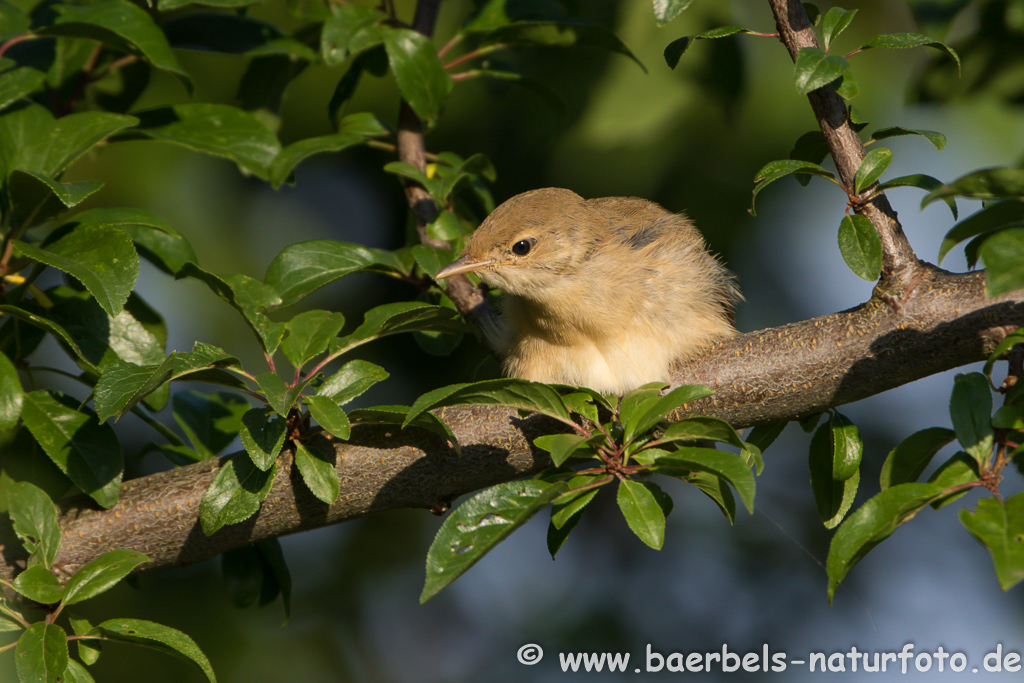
(100, 575)
(566, 33)
(716, 489)
(833, 497)
(354, 129)
(398, 317)
(156, 636)
(871, 524)
(675, 49)
(562, 446)
(728, 466)
(1003, 254)
(396, 415)
(88, 452)
(211, 421)
(970, 407)
(232, 34)
(995, 216)
(36, 197)
(907, 40)
(922, 181)
(774, 170)
(516, 393)
(34, 518)
(637, 419)
(988, 183)
(121, 25)
(937, 139)
(154, 239)
(642, 512)
(907, 462)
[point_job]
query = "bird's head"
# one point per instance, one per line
(530, 242)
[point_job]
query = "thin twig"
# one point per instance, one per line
(898, 258)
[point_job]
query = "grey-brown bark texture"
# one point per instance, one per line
(921, 320)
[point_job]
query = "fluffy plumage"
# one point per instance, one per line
(606, 293)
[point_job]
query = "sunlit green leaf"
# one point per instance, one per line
(263, 434)
(642, 512)
(860, 246)
(970, 407)
(1003, 254)
(907, 462)
(39, 584)
(999, 525)
(329, 415)
(907, 40)
(479, 524)
(100, 575)
(815, 69)
(42, 653)
(835, 22)
(235, 494)
(318, 472)
(34, 518)
(156, 636)
(988, 183)
(308, 333)
(774, 170)
(871, 168)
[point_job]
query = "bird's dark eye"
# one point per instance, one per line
(522, 247)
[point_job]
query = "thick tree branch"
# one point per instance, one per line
(786, 372)
(898, 259)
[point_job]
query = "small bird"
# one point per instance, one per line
(604, 293)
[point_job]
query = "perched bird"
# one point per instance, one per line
(605, 293)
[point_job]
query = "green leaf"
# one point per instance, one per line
(642, 512)
(100, 575)
(235, 494)
(871, 168)
(871, 524)
(19, 81)
(318, 472)
(832, 496)
(308, 333)
(122, 385)
(36, 197)
(764, 435)
(728, 466)
(860, 246)
(249, 297)
(1003, 254)
(667, 10)
(89, 650)
(76, 673)
(211, 421)
(479, 524)
(847, 447)
(101, 257)
(233, 34)
(34, 518)
(638, 418)
(11, 395)
(1008, 342)
(937, 139)
(774, 170)
(88, 452)
(398, 317)
(565, 33)
(988, 183)
(835, 22)
(280, 396)
(42, 653)
(302, 268)
(995, 216)
(815, 69)
(351, 381)
(515, 393)
(907, 462)
(38, 583)
(396, 415)
(922, 181)
(122, 26)
(701, 427)
(970, 407)
(263, 434)
(158, 637)
(154, 239)
(345, 23)
(567, 508)
(907, 40)
(330, 416)
(562, 446)
(216, 129)
(292, 155)
(421, 77)
(717, 490)
(958, 470)
(674, 50)
(999, 525)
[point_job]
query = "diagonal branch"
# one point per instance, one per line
(899, 262)
(782, 373)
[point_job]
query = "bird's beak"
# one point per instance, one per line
(463, 264)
